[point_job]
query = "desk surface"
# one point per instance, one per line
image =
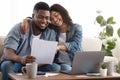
(61, 76)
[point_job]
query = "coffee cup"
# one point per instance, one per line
(30, 70)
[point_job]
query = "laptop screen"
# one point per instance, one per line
(86, 62)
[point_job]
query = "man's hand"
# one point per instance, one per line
(27, 59)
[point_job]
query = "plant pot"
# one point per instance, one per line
(103, 72)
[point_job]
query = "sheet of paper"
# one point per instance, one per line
(43, 50)
(51, 74)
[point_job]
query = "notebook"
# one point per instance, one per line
(86, 62)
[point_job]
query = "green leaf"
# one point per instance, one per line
(113, 22)
(99, 19)
(111, 45)
(103, 65)
(118, 32)
(110, 20)
(108, 52)
(103, 48)
(103, 23)
(109, 30)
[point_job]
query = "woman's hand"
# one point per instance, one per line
(24, 26)
(61, 47)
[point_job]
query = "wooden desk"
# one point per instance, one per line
(62, 76)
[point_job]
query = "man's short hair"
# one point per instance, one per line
(41, 5)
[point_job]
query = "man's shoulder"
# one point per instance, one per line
(17, 25)
(15, 29)
(49, 30)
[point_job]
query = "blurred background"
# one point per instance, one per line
(82, 12)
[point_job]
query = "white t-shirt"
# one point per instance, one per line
(62, 38)
(38, 36)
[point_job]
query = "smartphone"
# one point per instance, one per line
(40, 73)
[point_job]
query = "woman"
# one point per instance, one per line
(69, 35)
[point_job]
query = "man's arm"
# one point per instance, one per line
(9, 54)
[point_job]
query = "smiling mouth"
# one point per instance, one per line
(43, 25)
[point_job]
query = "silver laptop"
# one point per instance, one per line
(86, 62)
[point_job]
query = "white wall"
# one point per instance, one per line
(82, 12)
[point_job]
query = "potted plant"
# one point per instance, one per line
(103, 69)
(103, 65)
(106, 35)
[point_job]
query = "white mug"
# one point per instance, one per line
(30, 70)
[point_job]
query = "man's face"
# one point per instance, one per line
(41, 18)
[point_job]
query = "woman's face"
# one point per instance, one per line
(56, 18)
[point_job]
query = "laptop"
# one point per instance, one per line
(86, 62)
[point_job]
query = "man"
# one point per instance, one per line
(17, 46)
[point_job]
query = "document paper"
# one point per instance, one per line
(43, 50)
